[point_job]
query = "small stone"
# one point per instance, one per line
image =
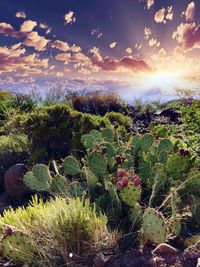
(192, 253)
(164, 249)
(99, 260)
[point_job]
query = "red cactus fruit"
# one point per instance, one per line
(119, 186)
(8, 231)
(121, 173)
(183, 152)
(136, 181)
(118, 159)
(124, 181)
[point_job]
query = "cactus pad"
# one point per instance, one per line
(18, 247)
(59, 185)
(147, 142)
(176, 165)
(97, 163)
(87, 141)
(71, 166)
(108, 135)
(154, 227)
(130, 194)
(165, 145)
(76, 189)
(39, 179)
(194, 182)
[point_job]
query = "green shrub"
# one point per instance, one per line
(53, 131)
(98, 103)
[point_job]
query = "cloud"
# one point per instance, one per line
(190, 12)
(147, 33)
(69, 17)
(66, 57)
(84, 71)
(170, 13)
(28, 26)
(20, 14)
(95, 51)
(45, 27)
(162, 15)
(60, 45)
(138, 46)
(97, 33)
(13, 60)
(150, 3)
(129, 50)
(187, 36)
(8, 30)
(154, 42)
(113, 44)
(126, 63)
(16, 46)
(75, 48)
(33, 39)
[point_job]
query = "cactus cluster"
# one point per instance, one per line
(117, 174)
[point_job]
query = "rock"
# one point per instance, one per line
(13, 180)
(192, 252)
(165, 249)
(198, 262)
(153, 262)
(99, 260)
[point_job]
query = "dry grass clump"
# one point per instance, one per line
(62, 230)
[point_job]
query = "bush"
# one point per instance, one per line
(53, 131)
(98, 103)
(59, 227)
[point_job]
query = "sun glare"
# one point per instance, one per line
(162, 79)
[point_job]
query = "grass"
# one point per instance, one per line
(60, 228)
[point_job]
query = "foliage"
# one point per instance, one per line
(53, 131)
(99, 103)
(59, 226)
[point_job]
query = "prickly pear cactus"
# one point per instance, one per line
(145, 172)
(163, 156)
(137, 143)
(39, 179)
(108, 135)
(165, 145)
(130, 194)
(71, 166)
(97, 163)
(59, 185)
(18, 247)
(193, 185)
(147, 142)
(154, 228)
(76, 190)
(87, 141)
(176, 165)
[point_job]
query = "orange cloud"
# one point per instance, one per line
(13, 60)
(28, 26)
(70, 18)
(187, 36)
(33, 39)
(190, 12)
(60, 45)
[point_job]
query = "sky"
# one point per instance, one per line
(140, 48)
